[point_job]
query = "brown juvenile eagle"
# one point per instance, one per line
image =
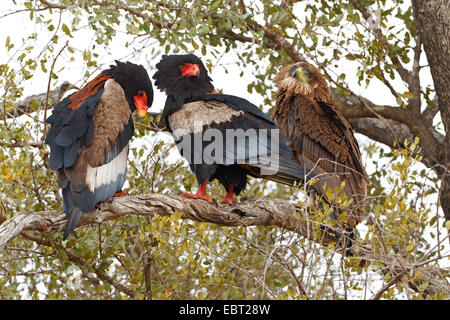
(321, 139)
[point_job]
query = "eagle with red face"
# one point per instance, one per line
(90, 134)
(223, 137)
(321, 139)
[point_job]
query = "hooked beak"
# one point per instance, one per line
(140, 101)
(295, 73)
(142, 111)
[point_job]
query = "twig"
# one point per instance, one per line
(388, 285)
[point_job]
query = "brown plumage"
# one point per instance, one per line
(321, 139)
(91, 88)
(112, 109)
(90, 134)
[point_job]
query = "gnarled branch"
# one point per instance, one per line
(263, 212)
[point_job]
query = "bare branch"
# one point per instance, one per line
(26, 105)
(53, 5)
(263, 212)
(396, 279)
(48, 86)
(282, 43)
(21, 144)
(431, 111)
(83, 264)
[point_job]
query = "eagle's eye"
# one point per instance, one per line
(308, 74)
(293, 70)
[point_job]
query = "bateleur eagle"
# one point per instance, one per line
(89, 137)
(321, 139)
(222, 136)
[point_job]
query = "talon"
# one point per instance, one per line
(190, 195)
(205, 197)
(229, 201)
(200, 194)
(229, 197)
(120, 193)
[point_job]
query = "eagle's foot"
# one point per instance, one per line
(120, 193)
(199, 195)
(229, 200)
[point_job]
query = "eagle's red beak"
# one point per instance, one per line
(140, 101)
(189, 70)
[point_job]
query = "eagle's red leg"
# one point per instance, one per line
(229, 197)
(120, 193)
(201, 193)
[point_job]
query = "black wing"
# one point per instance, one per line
(89, 148)
(257, 144)
(70, 130)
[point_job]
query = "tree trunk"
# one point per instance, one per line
(433, 24)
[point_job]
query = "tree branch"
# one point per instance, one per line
(262, 212)
(388, 124)
(402, 71)
(53, 5)
(282, 43)
(21, 144)
(83, 264)
(26, 105)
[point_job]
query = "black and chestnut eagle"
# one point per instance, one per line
(222, 136)
(89, 137)
(321, 139)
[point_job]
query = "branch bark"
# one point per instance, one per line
(26, 105)
(262, 212)
(433, 25)
(392, 125)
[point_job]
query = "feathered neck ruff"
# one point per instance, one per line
(131, 77)
(168, 78)
(288, 87)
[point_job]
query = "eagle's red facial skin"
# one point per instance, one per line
(189, 70)
(140, 101)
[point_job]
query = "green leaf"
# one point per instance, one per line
(66, 30)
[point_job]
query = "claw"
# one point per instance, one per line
(120, 193)
(200, 194)
(229, 197)
(229, 201)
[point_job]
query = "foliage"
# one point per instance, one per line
(170, 258)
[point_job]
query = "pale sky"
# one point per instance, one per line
(230, 82)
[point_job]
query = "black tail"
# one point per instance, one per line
(290, 173)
